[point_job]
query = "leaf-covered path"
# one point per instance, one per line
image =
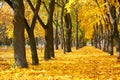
(83, 64)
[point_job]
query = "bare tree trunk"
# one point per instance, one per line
(68, 31)
(35, 60)
(56, 36)
(76, 15)
(30, 31)
(49, 45)
(62, 29)
(19, 40)
(47, 55)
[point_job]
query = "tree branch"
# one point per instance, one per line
(26, 23)
(35, 14)
(9, 3)
(58, 4)
(33, 9)
(45, 7)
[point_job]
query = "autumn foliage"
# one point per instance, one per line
(87, 63)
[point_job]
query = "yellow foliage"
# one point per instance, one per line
(87, 63)
(6, 18)
(39, 31)
(9, 31)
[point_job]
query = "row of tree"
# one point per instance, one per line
(94, 21)
(20, 22)
(106, 35)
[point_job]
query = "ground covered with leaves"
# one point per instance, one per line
(87, 63)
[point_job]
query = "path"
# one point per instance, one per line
(83, 64)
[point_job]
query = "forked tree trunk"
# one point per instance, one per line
(30, 34)
(19, 40)
(30, 31)
(56, 36)
(49, 46)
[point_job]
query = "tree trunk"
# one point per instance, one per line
(118, 47)
(111, 43)
(30, 34)
(51, 41)
(30, 31)
(35, 60)
(47, 55)
(19, 40)
(118, 39)
(56, 37)
(68, 31)
(49, 46)
(61, 28)
(76, 28)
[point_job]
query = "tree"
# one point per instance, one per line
(76, 16)
(49, 47)
(30, 32)
(68, 22)
(56, 30)
(48, 27)
(61, 26)
(19, 40)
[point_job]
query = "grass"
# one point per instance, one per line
(87, 63)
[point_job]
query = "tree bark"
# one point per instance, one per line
(47, 55)
(30, 34)
(61, 27)
(76, 28)
(19, 40)
(68, 31)
(49, 45)
(35, 60)
(30, 31)
(56, 36)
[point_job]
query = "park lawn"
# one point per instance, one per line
(87, 63)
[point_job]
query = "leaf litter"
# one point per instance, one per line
(87, 63)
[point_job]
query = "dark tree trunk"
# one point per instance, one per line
(61, 27)
(110, 42)
(118, 47)
(35, 60)
(47, 55)
(68, 31)
(19, 40)
(76, 28)
(51, 41)
(56, 37)
(49, 45)
(118, 39)
(30, 31)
